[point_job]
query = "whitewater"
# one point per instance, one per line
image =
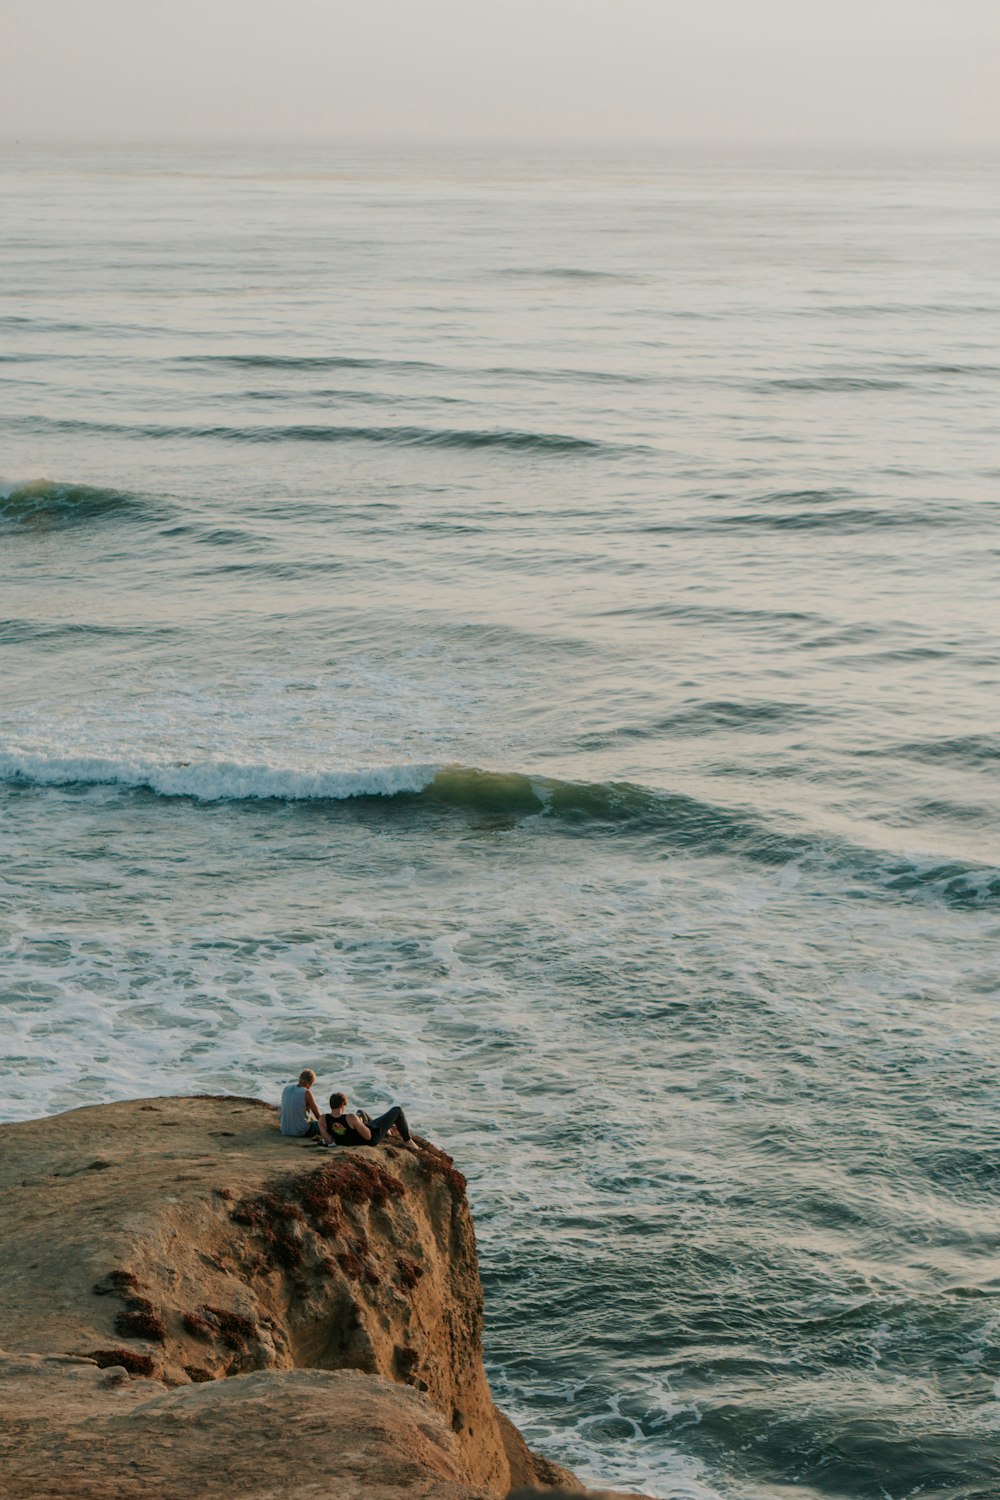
(517, 633)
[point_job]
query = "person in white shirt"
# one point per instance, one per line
(300, 1113)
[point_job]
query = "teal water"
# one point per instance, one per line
(518, 634)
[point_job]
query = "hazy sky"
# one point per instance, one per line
(853, 71)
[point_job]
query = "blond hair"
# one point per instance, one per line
(307, 1077)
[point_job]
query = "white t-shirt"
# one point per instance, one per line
(294, 1120)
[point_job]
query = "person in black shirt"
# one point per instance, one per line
(359, 1129)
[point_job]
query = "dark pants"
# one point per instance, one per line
(380, 1128)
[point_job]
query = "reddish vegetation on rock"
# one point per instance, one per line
(351, 1179)
(272, 1217)
(434, 1161)
(235, 1330)
(316, 1197)
(408, 1272)
(140, 1320)
(135, 1364)
(115, 1282)
(198, 1325)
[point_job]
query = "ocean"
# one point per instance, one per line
(516, 631)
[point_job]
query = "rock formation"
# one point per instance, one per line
(151, 1248)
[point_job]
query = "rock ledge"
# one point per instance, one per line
(152, 1248)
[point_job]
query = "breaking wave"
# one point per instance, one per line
(211, 780)
(669, 820)
(44, 504)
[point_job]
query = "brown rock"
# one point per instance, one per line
(74, 1432)
(187, 1239)
(528, 1469)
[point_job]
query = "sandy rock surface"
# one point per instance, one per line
(167, 1243)
(73, 1431)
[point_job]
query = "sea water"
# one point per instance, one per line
(517, 632)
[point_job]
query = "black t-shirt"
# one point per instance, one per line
(343, 1134)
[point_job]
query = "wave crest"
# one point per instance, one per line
(43, 504)
(211, 780)
(668, 820)
(829, 383)
(512, 439)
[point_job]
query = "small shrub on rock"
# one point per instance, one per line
(316, 1198)
(272, 1218)
(353, 1179)
(236, 1331)
(135, 1364)
(140, 1320)
(115, 1283)
(437, 1163)
(408, 1273)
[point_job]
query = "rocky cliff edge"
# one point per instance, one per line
(152, 1248)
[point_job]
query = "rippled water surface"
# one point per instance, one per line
(520, 635)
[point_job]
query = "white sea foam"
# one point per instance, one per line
(632, 1459)
(212, 780)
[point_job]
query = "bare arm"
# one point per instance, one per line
(312, 1108)
(360, 1126)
